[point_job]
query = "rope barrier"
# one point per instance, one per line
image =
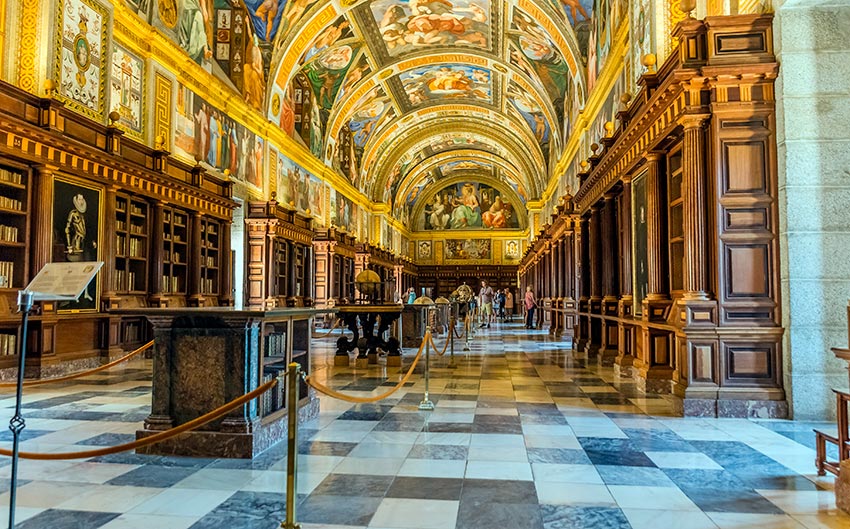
(365, 400)
(325, 335)
(155, 438)
(30, 383)
(436, 349)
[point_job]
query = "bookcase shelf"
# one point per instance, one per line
(131, 245)
(175, 252)
(14, 226)
(675, 225)
(210, 256)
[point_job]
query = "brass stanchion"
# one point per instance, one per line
(426, 403)
(453, 322)
(468, 326)
(292, 444)
(17, 423)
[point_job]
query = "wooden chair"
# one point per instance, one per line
(841, 439)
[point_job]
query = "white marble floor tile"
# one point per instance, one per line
(562, 493)
(660, 498)
(151, 521)
(182, 502)
(498, 470)
(551, 472)
(369, 466)
(657, 519)
(430, 468)
(684, 460)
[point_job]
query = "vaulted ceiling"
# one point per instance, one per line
(400, 95)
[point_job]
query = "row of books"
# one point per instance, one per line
(120, 276)
(8, 344)
(177, 237)
(179, 221)
(210, 229)
(137, 247)
(7, 272)
(210, 261)
(171, 285)
(174, 258)
(136, 210)
(8, 233)
(135, 229)
(276, 344)
(11, 203)
(208, 286)
(275, 398)
(10, 176)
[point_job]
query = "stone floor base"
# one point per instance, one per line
(242, 445)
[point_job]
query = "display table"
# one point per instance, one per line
(206, 357)
(374, 320)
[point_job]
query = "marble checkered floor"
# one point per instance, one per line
(524, 436)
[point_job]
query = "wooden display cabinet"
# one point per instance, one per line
(279, 256)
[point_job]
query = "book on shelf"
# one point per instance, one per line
(11, 203)
(8, 233)
(7, 272)
(276, 344)
(136, 248)
(136, 210)
(8, 344)
(119, 244)
(11, 177)
(120, 225)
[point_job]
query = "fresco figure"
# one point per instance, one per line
(439, 215)
(192, 30)
(467, 209)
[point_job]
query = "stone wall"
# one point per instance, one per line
(813, 123)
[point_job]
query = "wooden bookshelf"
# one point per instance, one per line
(279, 256)
(175, 255)
(210, 256)
(14, 226)
(132, 245)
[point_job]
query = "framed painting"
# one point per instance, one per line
(76, 233)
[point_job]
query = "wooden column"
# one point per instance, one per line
(156, 256)
(193, 289)
(625, 357)
(694, 209)
(609, 245)
(595, 301)
(583, 284)
(225, 287)
(42, 218)
(656, 241)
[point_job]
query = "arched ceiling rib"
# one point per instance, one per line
(391, 84)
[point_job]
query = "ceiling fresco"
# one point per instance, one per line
(379, 89)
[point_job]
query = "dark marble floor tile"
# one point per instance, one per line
(365, 412)
(153, 476)
(479, 515)
(441, 452)
(248, 509)
(567, 393)
(341, 510)
(466, 398)
(628, 459)
(61, 519)
(644, 476)
(325, 448)
(772, 478)
(525, 408)
(705, 479)
(200, 462)
(448, 427)
(108, 439)
(26, 434)
(568, 517)
(564, 456)
(544, 419)
(498, 491)
(607, 444)
(425, 488)
(126, 458)
(354, 485)
(743, 501)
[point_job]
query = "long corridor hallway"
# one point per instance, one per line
(524, 436)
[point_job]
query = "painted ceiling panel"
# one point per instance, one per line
(381, 89)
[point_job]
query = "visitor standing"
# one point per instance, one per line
(499, 304)
(486, 295)
(509, 304)
(411, 296)
(530, 305)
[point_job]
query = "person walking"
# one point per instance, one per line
(509, 304)
(530, 305)
(499, 304)
(486, 295)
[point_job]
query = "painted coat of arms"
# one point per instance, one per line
(80, 56)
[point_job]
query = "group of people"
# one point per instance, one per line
(491, 304)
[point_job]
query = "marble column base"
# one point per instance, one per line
(199, 443)
(731, 409)
(607, 357)
(655, 381)
(623, 367)
(341, 361)
(842, 487)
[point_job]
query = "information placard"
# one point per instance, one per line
(63, 281)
